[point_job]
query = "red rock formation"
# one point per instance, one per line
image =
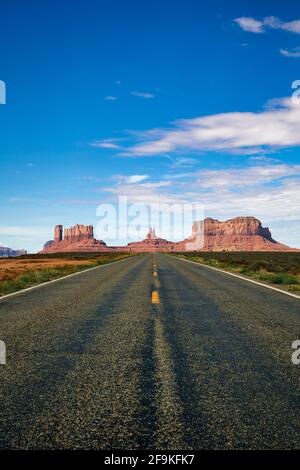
(151, 234)
(243, 226)
(79, 238)
(238, 234)
(151, 243)
(78, 233)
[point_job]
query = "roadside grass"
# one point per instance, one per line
(275, 268)
(32, 277)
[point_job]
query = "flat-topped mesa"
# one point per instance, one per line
(237, 234)
(244, 226)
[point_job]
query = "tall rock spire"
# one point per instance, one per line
(58, 233)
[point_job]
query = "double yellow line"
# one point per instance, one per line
(155, 294)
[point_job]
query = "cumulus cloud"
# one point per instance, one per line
(254, 25)
(277, 126)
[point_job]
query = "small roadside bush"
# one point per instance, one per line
(258, 265)
(280, 278)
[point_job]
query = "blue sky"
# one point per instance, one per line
(167, 101)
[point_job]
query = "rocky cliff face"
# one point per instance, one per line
(243, 226)
(5, 251)
(79, 233)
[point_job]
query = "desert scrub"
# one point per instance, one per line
(281, 268)
(32, 277)
(279, 278)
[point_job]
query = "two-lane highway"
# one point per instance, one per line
(151, 352)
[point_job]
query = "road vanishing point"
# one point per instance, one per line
(149, 353)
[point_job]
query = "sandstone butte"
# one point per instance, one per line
(238, 234)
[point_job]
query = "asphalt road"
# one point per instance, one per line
(99, 361)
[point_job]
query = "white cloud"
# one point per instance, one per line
(110, 98)
(131, 179)
(105, 144)
(277, 23)
(264, 158)
(275, 127)
(254, 25)
(183, 162)
(147, 193)
(249, 176)
(295, 53)
(270, 192)
(250, 24)
(136, 178)
(144, 95)
(277, 203)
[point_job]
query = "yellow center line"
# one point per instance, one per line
(155, 297)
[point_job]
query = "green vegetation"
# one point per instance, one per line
(33, 276)
(281, 268)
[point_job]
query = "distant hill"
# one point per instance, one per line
(5, 251)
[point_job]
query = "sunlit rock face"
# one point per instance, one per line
(78, 233)
(244, 226)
